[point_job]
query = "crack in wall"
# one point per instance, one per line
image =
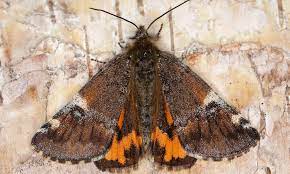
(172, 48)
(287, 94)
(51, 10)
(281, 13)
(118, 13)
(48, 85)
(254, 68)
(140, 7)
(90, 70)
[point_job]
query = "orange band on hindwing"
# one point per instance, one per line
(168, 140)
(118, 148)
(172, 146)
(167, 148)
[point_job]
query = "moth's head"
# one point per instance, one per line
(141, 33)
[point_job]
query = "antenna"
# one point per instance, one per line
(166, 13)
(115, 16)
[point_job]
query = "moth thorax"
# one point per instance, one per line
(144, 82)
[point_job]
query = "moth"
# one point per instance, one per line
(145, 101)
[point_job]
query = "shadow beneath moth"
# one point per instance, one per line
(145, 101)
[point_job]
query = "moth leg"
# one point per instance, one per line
(122, 44)
(98, 61)
(159, 31)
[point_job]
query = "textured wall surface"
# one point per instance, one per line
(240, 47)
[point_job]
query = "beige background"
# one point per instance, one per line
(240, 47)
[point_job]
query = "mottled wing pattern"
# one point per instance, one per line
(85, 128)
(207, 126)
(126, 146)
(166, 145)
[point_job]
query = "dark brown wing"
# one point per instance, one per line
(206, 125)
(167, 148)
(126, 146)
(86, 128)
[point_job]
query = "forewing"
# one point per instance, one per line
(206, 124)
(167, 148)
(85, 127)
(126, 146)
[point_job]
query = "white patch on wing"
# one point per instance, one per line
(211, 96)
(246, 126)
(54, 123)
(42, 130)
(80, 101)
(236, 118)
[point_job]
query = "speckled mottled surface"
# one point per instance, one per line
(241, 48)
